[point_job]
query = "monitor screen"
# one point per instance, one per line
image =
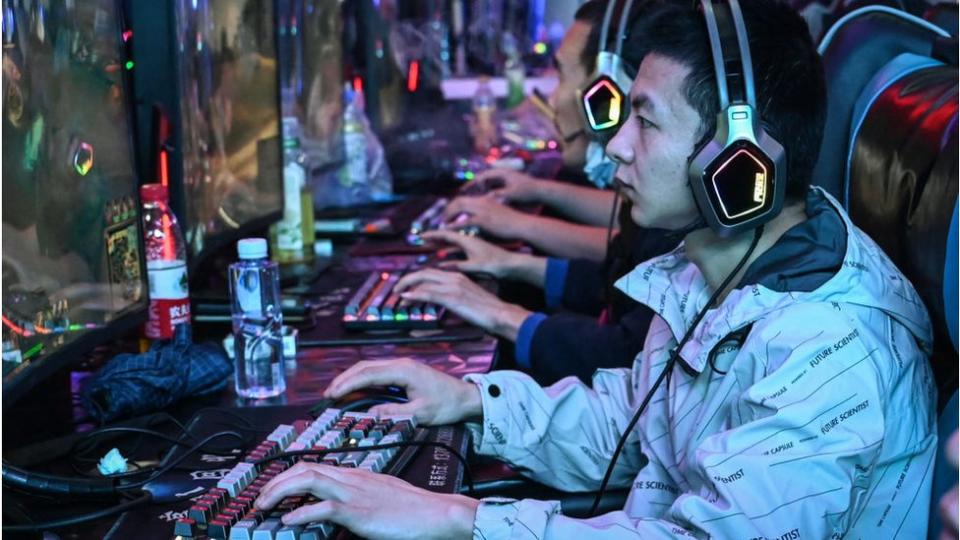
(229, 116)
(72, 258)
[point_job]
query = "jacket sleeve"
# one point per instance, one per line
(583, 287)
(796, 453)
(571, 344)
(562, 435)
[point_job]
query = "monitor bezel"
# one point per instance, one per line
(30, 374)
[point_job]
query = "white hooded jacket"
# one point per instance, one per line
(802, 407)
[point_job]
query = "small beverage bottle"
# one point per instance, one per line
(166, 264)
(257, 321)
(484, 111)
(295, 232)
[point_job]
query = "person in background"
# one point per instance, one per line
(590, 208)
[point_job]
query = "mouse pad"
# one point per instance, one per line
(434, 470)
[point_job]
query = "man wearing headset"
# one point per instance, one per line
(783, 390)
(589, 207)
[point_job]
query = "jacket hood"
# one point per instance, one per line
(825, 259)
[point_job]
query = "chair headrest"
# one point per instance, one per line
(903, 185)
(853, 50)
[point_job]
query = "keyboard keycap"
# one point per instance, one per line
(185, 527)
(217, 529)
(289, 533)
(317, 531)
(243, 530)
(267, 529)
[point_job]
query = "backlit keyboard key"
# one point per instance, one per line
(267, 529)
(243, 530)
(289, 533)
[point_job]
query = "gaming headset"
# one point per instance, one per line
(603, 98)
(737, 176)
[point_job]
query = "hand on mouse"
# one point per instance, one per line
(435, 398)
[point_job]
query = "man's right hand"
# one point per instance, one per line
(435, 398)
(482, 257)
(511, 186)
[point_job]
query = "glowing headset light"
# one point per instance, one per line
(599, 116)
(83, 159)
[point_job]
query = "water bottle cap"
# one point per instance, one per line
(154, 193)
(252, 248)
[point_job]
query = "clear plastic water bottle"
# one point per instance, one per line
(166, 264)
(257, 321)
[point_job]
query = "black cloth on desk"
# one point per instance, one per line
(577, 342)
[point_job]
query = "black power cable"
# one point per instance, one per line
(83, 518)
(49, 483)
(674, 354)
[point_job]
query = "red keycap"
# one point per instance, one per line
(218, 529)
(184, 527)
(199, 512)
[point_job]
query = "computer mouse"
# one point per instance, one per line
(363, 399)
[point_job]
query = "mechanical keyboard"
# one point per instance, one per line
(376, 306)
(432, 220)
(226, 512)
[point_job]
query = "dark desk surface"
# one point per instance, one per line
(307, 377)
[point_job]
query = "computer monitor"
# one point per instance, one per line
(206, 84)
(73, 269)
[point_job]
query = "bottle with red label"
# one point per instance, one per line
(166, 264)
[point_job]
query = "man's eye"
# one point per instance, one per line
(644, 123)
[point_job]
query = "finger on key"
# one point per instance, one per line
(299, 468)
(311, 481)
(321, 511)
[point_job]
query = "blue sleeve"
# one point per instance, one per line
(525, 338)
(572, 344)
(554, 280)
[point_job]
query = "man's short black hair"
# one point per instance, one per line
(592, 13)
(789, 80)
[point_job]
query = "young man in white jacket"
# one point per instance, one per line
(801, 404)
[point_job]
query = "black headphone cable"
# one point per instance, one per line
(674, 354)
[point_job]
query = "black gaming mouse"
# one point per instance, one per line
(363, 399)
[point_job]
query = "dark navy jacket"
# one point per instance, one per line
(596, 326)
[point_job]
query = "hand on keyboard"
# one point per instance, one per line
(511, 186)
(481, 256)
(489, 215)
(435, 398)
(460, 294)
(371, 505)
